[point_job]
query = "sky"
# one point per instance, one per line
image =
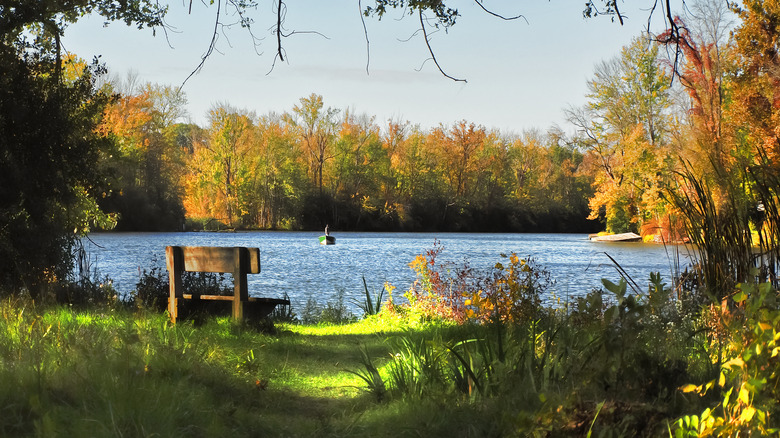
(521, 74)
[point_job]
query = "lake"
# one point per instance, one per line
(296, 264)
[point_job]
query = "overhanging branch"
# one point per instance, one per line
(430, 50)
(210, 48)
(365, 32)
(499, 15)
(279, 30)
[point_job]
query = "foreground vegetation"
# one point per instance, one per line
(464, 354)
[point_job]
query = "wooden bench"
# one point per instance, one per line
(238, 261)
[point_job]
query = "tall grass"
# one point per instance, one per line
(721, 221)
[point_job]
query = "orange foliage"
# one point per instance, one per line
(128, 120)
(700, 74)
(459, 149)
(757, 86)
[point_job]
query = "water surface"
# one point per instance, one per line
(296, 264)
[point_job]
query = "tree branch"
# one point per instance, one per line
(279, 30)
(672, 36)
(501, 16)
(365, 32)
(430, 50)
(617, 12)
(210, 49)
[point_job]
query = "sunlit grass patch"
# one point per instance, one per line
(375, 324)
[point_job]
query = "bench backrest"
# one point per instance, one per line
(213, 259)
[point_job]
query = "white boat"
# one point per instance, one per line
(622, 237)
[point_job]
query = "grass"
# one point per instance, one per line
(117, 373)
(108, 373)
(595, 369)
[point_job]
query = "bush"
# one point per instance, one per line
(443, 291)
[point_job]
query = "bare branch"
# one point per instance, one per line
(296, 32)
(211, 46)
(498, 15)
(246, 23)
(279, 30)
(165, 28)
(672, 36)
(617, 12)
(650, 15)
(365, 32)
(414, 34)
(430, 50)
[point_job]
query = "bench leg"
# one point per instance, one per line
(238, 309)
(173, 308)
(240, 288)
(174, 258)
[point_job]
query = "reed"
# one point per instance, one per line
(722, 220)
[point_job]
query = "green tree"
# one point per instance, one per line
(317, 126)
(492, 184)
(50, 173)
(358, 164)
(280, 181)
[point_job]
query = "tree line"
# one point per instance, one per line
(316, 165)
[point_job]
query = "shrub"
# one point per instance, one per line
(444, 291)
(747, 388)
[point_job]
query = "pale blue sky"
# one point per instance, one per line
(520, 75)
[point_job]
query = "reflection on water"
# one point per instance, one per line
(295, 262)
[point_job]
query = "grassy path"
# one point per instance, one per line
(310, 389)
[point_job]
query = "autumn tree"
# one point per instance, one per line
(528, 164)
(280, 183)
(757, 76)
(459, 147)
(730, 214)
(218, 185)
(150, 164)
(701, 70)
(624, 128)
(493, 176)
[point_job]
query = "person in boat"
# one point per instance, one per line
(327, 233)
